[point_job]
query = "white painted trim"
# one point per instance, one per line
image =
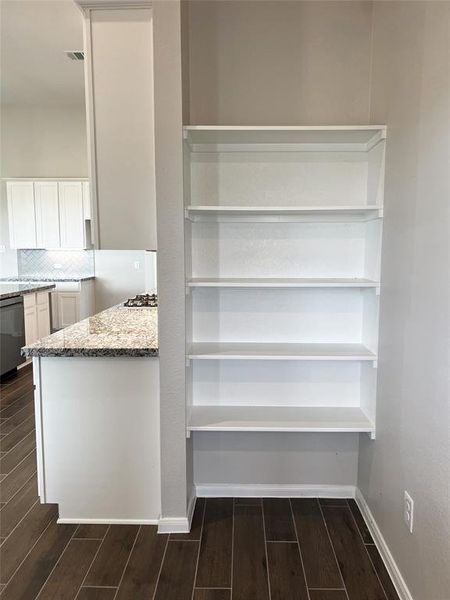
(383, 548)
(274, 491)
(173, 525)
(75, 521)
(112, 4)
(191, 508)
(178, 524)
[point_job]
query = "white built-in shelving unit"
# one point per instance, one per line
(283, 243)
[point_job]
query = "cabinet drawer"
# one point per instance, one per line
(29, 300)
(68, 286)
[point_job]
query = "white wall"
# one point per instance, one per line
(121, 101)
(275, 63)
(410, 93)
(117, 278)
(43, 141)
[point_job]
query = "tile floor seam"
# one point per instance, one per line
(199, 547)
(19, 522)
(160, 567)
(299, 548)
(55, 565)
(265, 549)
(92, 562)
(5, 454)
(127, 561)
(334, 551)
(20, 489)
(28, 553)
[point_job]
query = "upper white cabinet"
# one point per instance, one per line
(22, 219)
(71, 219)
(49, 214)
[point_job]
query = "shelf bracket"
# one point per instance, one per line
(372, 435)
(375, 364)
(188, 433)
(188, 362)
(377, 290)
(187, 290)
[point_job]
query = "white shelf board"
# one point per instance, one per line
(309, 213)
(278, 351)
(274, 418)
(358, 137)
(279, 282)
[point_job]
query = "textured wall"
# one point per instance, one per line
(410, 93)
(279, 62)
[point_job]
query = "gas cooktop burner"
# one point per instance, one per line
(142, 300)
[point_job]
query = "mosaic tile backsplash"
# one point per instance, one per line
(55, 264)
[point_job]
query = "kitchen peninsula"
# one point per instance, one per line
(97, 417)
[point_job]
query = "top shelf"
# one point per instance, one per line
(234, 137)
(284, 213)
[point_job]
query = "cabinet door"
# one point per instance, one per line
(86, 200)
(31, 325)
(43, 320)
(47, 214)
(43, 314)
(71, 214)
(21, 215)
(68, 308)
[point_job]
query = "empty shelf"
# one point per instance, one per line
(272, 418)
(277, 282)
(299, 213)
(275, 351)
(358, 137)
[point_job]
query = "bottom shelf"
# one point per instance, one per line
(273, 418)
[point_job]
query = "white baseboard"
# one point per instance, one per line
(173, 525)
(178, 524)
(383, 549)
(274, 491)
(70, 521)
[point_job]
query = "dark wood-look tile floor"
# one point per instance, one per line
(238, 549)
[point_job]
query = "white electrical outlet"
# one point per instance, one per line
(408, 511)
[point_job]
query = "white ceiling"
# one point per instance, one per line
(34, 68)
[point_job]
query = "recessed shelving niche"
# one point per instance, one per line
(283, 243)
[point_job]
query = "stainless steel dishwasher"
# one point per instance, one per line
(12, 329)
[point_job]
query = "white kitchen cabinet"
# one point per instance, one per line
(21, 212)
(37, 316)
(72, 301)
(31, 325)
(71, 221)
(47, 214)
(68, 308)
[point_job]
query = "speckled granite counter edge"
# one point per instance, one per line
(31, 290)
(31, 352)
(52, 279)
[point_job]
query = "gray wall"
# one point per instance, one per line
(272, 62)
(410, 93)
(171, 276)
(43, 141)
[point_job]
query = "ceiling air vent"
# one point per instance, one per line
(74, 54)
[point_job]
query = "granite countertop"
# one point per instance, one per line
(41, 278)
(10, 290)
(117, 331)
